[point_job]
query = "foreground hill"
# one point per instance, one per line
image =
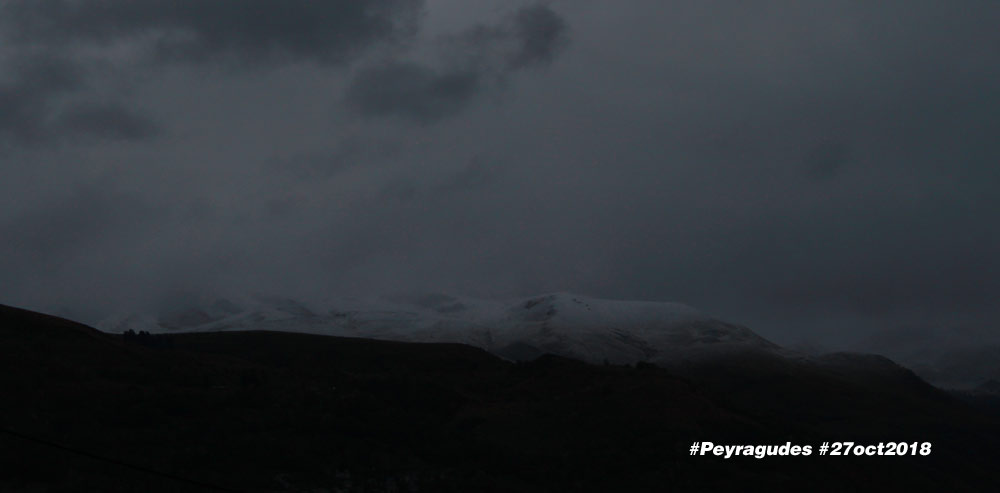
(268, 411)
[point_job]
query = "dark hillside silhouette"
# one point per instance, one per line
(258, 411)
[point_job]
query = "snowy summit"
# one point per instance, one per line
(581, 327)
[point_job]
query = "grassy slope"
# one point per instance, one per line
(288, 412)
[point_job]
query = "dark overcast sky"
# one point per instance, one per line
(813, 169)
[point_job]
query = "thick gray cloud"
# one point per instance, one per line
(412, 90)
(817, 170)
(539, 33)
(246, 31)
(480, 58)
(32, 109)
(24, 97)
(532, 36)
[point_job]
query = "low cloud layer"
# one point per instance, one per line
(816, 170)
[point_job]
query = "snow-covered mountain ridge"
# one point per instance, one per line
(591, 329)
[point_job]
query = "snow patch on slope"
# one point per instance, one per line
(591, 329)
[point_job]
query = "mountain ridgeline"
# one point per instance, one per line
(579, 327)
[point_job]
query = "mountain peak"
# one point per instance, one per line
(561, 323)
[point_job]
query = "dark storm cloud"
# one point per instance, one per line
(805, 167)
(245, 31)
(531, 37)
(411, 90)
(33, 110)
(24, 97)
(39, 76)
(482, 56)
(539, 34)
